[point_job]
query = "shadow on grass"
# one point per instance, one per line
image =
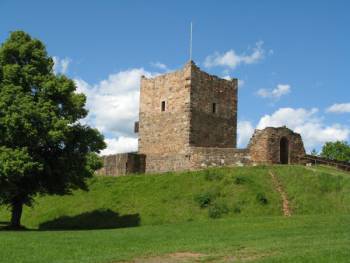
(4, 225)
(97, 219)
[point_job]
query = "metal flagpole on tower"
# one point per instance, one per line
(191, 43)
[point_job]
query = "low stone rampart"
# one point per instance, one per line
(201, 157)
(122, 164)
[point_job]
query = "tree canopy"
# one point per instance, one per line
(339, 150)
(44, 148)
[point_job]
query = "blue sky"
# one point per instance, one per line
(292, 57)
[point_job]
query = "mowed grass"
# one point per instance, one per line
(259, 239)
(215, 215)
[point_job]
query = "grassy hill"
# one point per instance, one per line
(215, 215)
(191, 196)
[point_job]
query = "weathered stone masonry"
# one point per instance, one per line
(272, 144)
(208, 94)
(182, 110)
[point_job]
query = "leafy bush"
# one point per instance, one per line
(261, 198)
(204, 199)
(217, 209)
(211, 175)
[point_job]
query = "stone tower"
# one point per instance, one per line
(188, 121)
(182, 112)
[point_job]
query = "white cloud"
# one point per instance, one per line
(120, 145)
(159, 65)
(276, 93)
(61, 65)
(231, 59)
(339, 108)
(306, 122)
(244, 131)
(114, 106)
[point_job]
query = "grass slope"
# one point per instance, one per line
(191, 196)
(319, 190)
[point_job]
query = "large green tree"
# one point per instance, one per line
(44, 149)
(339, 150)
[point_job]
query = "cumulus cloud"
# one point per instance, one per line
(61, 65)
(231, 59)
(339, 108)
(244, 132)
(276, 93)
(160, 66)
(113, 107)
(306, 122)
(120, 145)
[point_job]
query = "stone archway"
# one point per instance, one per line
(284, 151)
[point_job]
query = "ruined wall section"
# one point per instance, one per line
(209, 128)
(264, 146)
(122, 164)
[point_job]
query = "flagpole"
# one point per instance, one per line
(191, 43)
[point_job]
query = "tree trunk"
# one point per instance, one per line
(16, 214)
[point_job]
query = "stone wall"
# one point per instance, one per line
(208, 128)
(198, 158)
(167, 163)
(264, 146)
(201, 157)
(122, 164)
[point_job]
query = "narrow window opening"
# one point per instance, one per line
(214, 108)
(284, 151)
(163, 105)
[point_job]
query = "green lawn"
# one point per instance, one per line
(218, 215)
(259, 239)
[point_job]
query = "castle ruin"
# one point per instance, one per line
(188, 121)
